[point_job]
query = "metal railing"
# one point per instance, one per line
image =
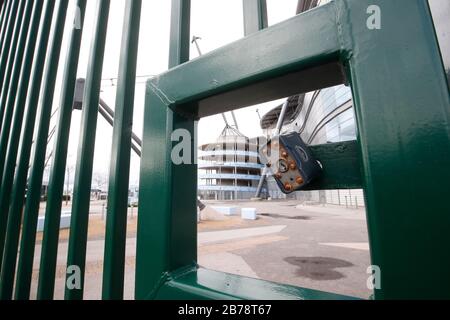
(382, 161)
(23, 56)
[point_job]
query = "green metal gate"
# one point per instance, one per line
(402, 155)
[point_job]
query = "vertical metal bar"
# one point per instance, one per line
(83, 176)
(5, 42)
(5, 15)
(167, 227)
(46, 285)
(10, 96)
(15, 214)
(27, 244)
(255, 19)
(8, 53)
(180, 32)
(48, 88)
(2, 13)
(116, 223)
(255, 16)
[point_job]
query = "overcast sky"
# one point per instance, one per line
(217, 22)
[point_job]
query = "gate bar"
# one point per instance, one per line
(15, 214)
(2, 13)
(46, 284)
(5, 15)
(9, 97)
(2, 6)
(8, 58)
(116, 222)
(49, 81)
(255, 16)
(5, 46)
(167, 244)
(83, 176)
(28, 240)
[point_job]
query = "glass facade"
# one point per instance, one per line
(326, 116)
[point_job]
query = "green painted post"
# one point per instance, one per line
(28, 240)
(15, 214)
(116, 222)
(255, 16)
(49, 81)
(46, 284)
(83, 176)
(402, 105)
(8, 100)
(8, 54)
(167, 225)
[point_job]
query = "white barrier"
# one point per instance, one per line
(227, 211)
(65, 221)
(248, 213)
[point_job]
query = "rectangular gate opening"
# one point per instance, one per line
(314, 239)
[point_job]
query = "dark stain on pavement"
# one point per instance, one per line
(318, 268)
(280, 216)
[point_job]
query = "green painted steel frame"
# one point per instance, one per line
(402, 105)
(174, 196)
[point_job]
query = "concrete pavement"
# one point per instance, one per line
(324, 248)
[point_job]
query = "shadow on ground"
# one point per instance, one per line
(318, 268)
